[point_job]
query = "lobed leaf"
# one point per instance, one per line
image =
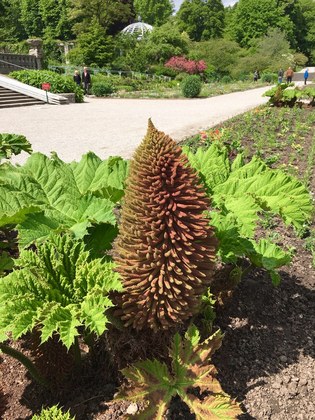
(46, 195)
(213, 407)
(58, 289)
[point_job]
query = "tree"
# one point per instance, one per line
(307, 44)
(154, 12)
(106, 13)
(11, 29)
(219, 54)
(253, 18)
(31, 18)
(201, 19)
(55, 18)
(94, 47)
(165, 42)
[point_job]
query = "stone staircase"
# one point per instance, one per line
(10, 99)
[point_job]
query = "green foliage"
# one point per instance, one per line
(53, 413)
(59, 84)
(163, 43)
(240, 194)
(13, 144)
(104, 88)
(191, 86)
(110, 15)
(252, 19)
(153, 381)
(58, 289)
(202, 20)
(93, 47)
(154, 12)
(31, 18)
(269, 77)
(226, 79)
(286, 95)
(47, 195)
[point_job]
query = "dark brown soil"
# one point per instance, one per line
(267, 360)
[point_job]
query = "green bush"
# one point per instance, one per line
(104, 88)
(226, 79)
(59, 84)
(191, 86)
(269, 78)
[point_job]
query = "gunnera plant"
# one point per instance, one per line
(165, 250)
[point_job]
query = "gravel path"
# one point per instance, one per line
(116, 126)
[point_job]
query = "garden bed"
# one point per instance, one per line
(267, 357)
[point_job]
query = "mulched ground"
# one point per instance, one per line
(267, 360)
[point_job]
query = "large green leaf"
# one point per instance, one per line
(47, 194)
(103, 178)
(212, 164)
(13, 144)
(270, 189)
(58, 289)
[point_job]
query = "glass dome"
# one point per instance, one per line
(138, 28)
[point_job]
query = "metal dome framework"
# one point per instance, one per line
(138, 28)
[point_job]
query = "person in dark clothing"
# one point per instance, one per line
(280, 75)
(256, 75)
(86, 80)
(77, 78)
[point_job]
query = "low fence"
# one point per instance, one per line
(109, 72)
(11, 62)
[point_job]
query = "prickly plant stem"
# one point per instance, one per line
(77, 352)
(25, 362)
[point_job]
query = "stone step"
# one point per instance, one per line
(17, 104)
(10, 98)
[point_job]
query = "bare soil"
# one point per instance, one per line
(267, 360)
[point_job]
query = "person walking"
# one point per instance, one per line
(280, 75)
(305, 76)
(86, 80)
(77, 77)
(256, 75)
(289, 75)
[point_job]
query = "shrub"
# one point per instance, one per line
(59, 84)
(188, 66)
(226, 79)
(104, 88)
(191, 86)
(269, 77)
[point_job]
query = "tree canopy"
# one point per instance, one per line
(154, 12)
(201, 19)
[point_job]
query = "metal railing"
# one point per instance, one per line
(109, 72)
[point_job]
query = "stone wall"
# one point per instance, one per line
(12, 62)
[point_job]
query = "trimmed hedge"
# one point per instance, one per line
(104, 88)
(191, 86)
(59, 84)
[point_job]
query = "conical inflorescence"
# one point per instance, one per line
(165, 249)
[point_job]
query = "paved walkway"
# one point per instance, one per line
(116, 126)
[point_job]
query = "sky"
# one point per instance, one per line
(225, 2)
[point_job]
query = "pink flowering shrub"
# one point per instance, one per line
(182, 64)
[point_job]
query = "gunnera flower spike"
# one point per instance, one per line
(165, 249)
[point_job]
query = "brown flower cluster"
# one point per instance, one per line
(165, 250)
